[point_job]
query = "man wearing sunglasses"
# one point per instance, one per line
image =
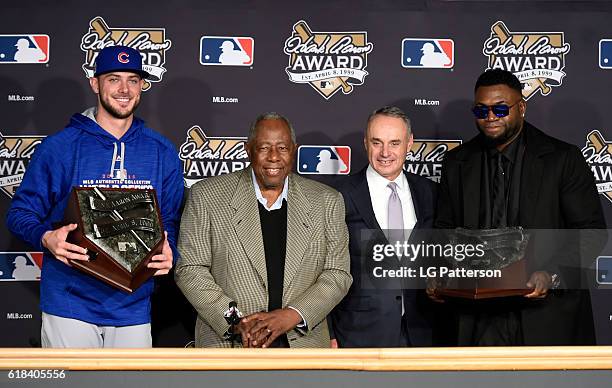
(512, 174)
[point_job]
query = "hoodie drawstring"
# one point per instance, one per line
(118, 173)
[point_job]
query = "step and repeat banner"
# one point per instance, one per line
(324, 65)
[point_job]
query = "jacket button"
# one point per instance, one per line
(398, 298)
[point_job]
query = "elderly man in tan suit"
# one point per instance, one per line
(272, 241)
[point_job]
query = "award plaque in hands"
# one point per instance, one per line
(504, 250)
(121, 230)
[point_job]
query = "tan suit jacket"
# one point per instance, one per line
(223, 260)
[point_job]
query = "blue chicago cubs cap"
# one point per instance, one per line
(120, 58)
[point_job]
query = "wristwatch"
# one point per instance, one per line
(555, 281)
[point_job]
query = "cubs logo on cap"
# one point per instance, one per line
(120, 58)
(123, 57)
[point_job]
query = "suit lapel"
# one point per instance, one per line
(299, 230)
(360, 195)
(247, 224)
(417, 199)
(531, 178)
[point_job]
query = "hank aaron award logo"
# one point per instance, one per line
(598, 154)
(205, 156)
(151, 42)
(536, 58)
(328, 61)
(15, 154)
(426, 156)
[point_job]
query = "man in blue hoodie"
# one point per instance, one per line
(105, 146)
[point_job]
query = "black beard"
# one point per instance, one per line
(116, 114)
(494, 142)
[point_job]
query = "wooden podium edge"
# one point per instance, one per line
(383, 359)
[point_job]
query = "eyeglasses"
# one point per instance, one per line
(499, 110)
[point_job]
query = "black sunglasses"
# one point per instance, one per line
(499, 110)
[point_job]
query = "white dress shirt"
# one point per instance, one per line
(279, 201)
(380, 192)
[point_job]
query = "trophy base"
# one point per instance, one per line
(481, 293)
(512, 282)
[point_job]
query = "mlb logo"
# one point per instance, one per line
(24, 48)
(428, 53)
(604, 270)
(605, 53)
(227, 50)
(326, 84)
(326, 160)
(16, 266)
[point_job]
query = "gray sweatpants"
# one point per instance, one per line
(59, 332)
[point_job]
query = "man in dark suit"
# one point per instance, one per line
(512, 174)
(386, 316)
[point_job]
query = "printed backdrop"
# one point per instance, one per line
(325, 65)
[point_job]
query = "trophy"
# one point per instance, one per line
(121, 230)
(504, 250)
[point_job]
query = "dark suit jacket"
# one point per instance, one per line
(557, 192)
(369, 317)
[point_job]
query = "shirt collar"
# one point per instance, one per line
(380, 181)
(279, 201)
(511, 150)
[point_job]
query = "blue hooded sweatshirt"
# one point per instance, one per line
(85, 155)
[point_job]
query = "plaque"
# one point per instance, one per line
(504, 250)
(121, 230)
